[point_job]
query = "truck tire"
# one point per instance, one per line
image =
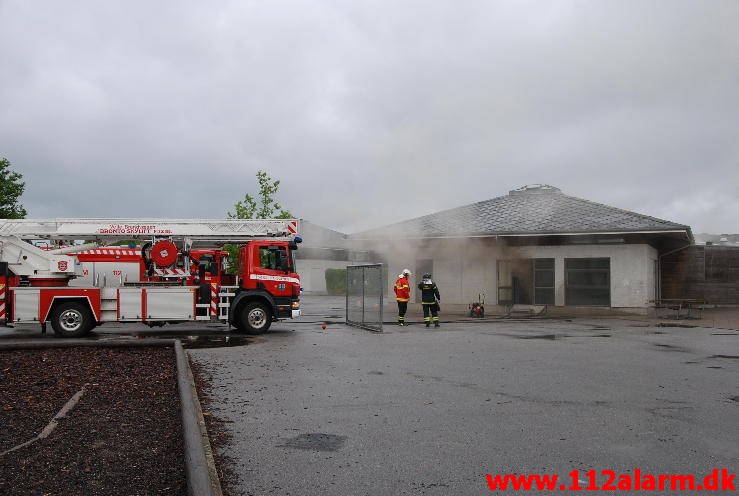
(256, 318)
(71, 320)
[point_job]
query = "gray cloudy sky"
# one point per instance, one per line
(371, 112)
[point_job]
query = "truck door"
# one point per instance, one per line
(275, 271)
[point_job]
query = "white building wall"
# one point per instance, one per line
(313, 274)
(480, 278)
(313, 271)
(559, 281)
(464, 270)
(460, 280)
(632, 270)
(449, 276)
(632, 276)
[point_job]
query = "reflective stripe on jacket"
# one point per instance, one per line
(402, 289)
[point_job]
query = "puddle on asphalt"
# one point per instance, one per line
(196, 342)
(191, 341)
(670, 347)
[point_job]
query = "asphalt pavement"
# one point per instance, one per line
(346, 411)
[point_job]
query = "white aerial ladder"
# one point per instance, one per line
(19, 237)
(37, 262)
(208, 232)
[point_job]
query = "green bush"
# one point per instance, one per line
(336, 281)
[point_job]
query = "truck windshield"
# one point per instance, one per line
(271, 257)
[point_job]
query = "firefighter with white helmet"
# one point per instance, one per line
(402, 290)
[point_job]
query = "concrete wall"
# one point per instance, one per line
(632, 270)
(313, 274)
(465, 268)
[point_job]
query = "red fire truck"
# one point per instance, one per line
(177, 275)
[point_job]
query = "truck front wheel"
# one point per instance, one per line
(255, 318)
(71, 320)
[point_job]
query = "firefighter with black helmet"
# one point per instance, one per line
(430, 299)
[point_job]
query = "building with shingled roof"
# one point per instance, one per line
(534, 246)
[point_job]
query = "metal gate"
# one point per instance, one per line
(364, 288)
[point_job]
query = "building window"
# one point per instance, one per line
(544, 281)
(588, 281)
(526, 281)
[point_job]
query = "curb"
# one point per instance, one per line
(200, 471)
(202, 477)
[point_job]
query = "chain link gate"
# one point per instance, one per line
(364, 290)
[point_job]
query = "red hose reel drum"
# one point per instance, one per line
(164, 253)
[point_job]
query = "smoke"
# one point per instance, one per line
(374, 113)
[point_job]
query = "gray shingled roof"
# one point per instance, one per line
(531, 210)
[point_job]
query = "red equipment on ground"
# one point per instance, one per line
(477, 309)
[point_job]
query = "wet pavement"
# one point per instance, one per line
(345, 411)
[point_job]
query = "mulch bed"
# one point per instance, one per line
(123, 436)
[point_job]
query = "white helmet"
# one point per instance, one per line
(407, 272)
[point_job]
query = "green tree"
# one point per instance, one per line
(267, 207)
(249, 208)
(11, 189)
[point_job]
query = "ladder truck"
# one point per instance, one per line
(179, 273)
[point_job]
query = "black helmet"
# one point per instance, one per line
(427, 276)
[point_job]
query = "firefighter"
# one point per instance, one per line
(430, 299)
(402, 295)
